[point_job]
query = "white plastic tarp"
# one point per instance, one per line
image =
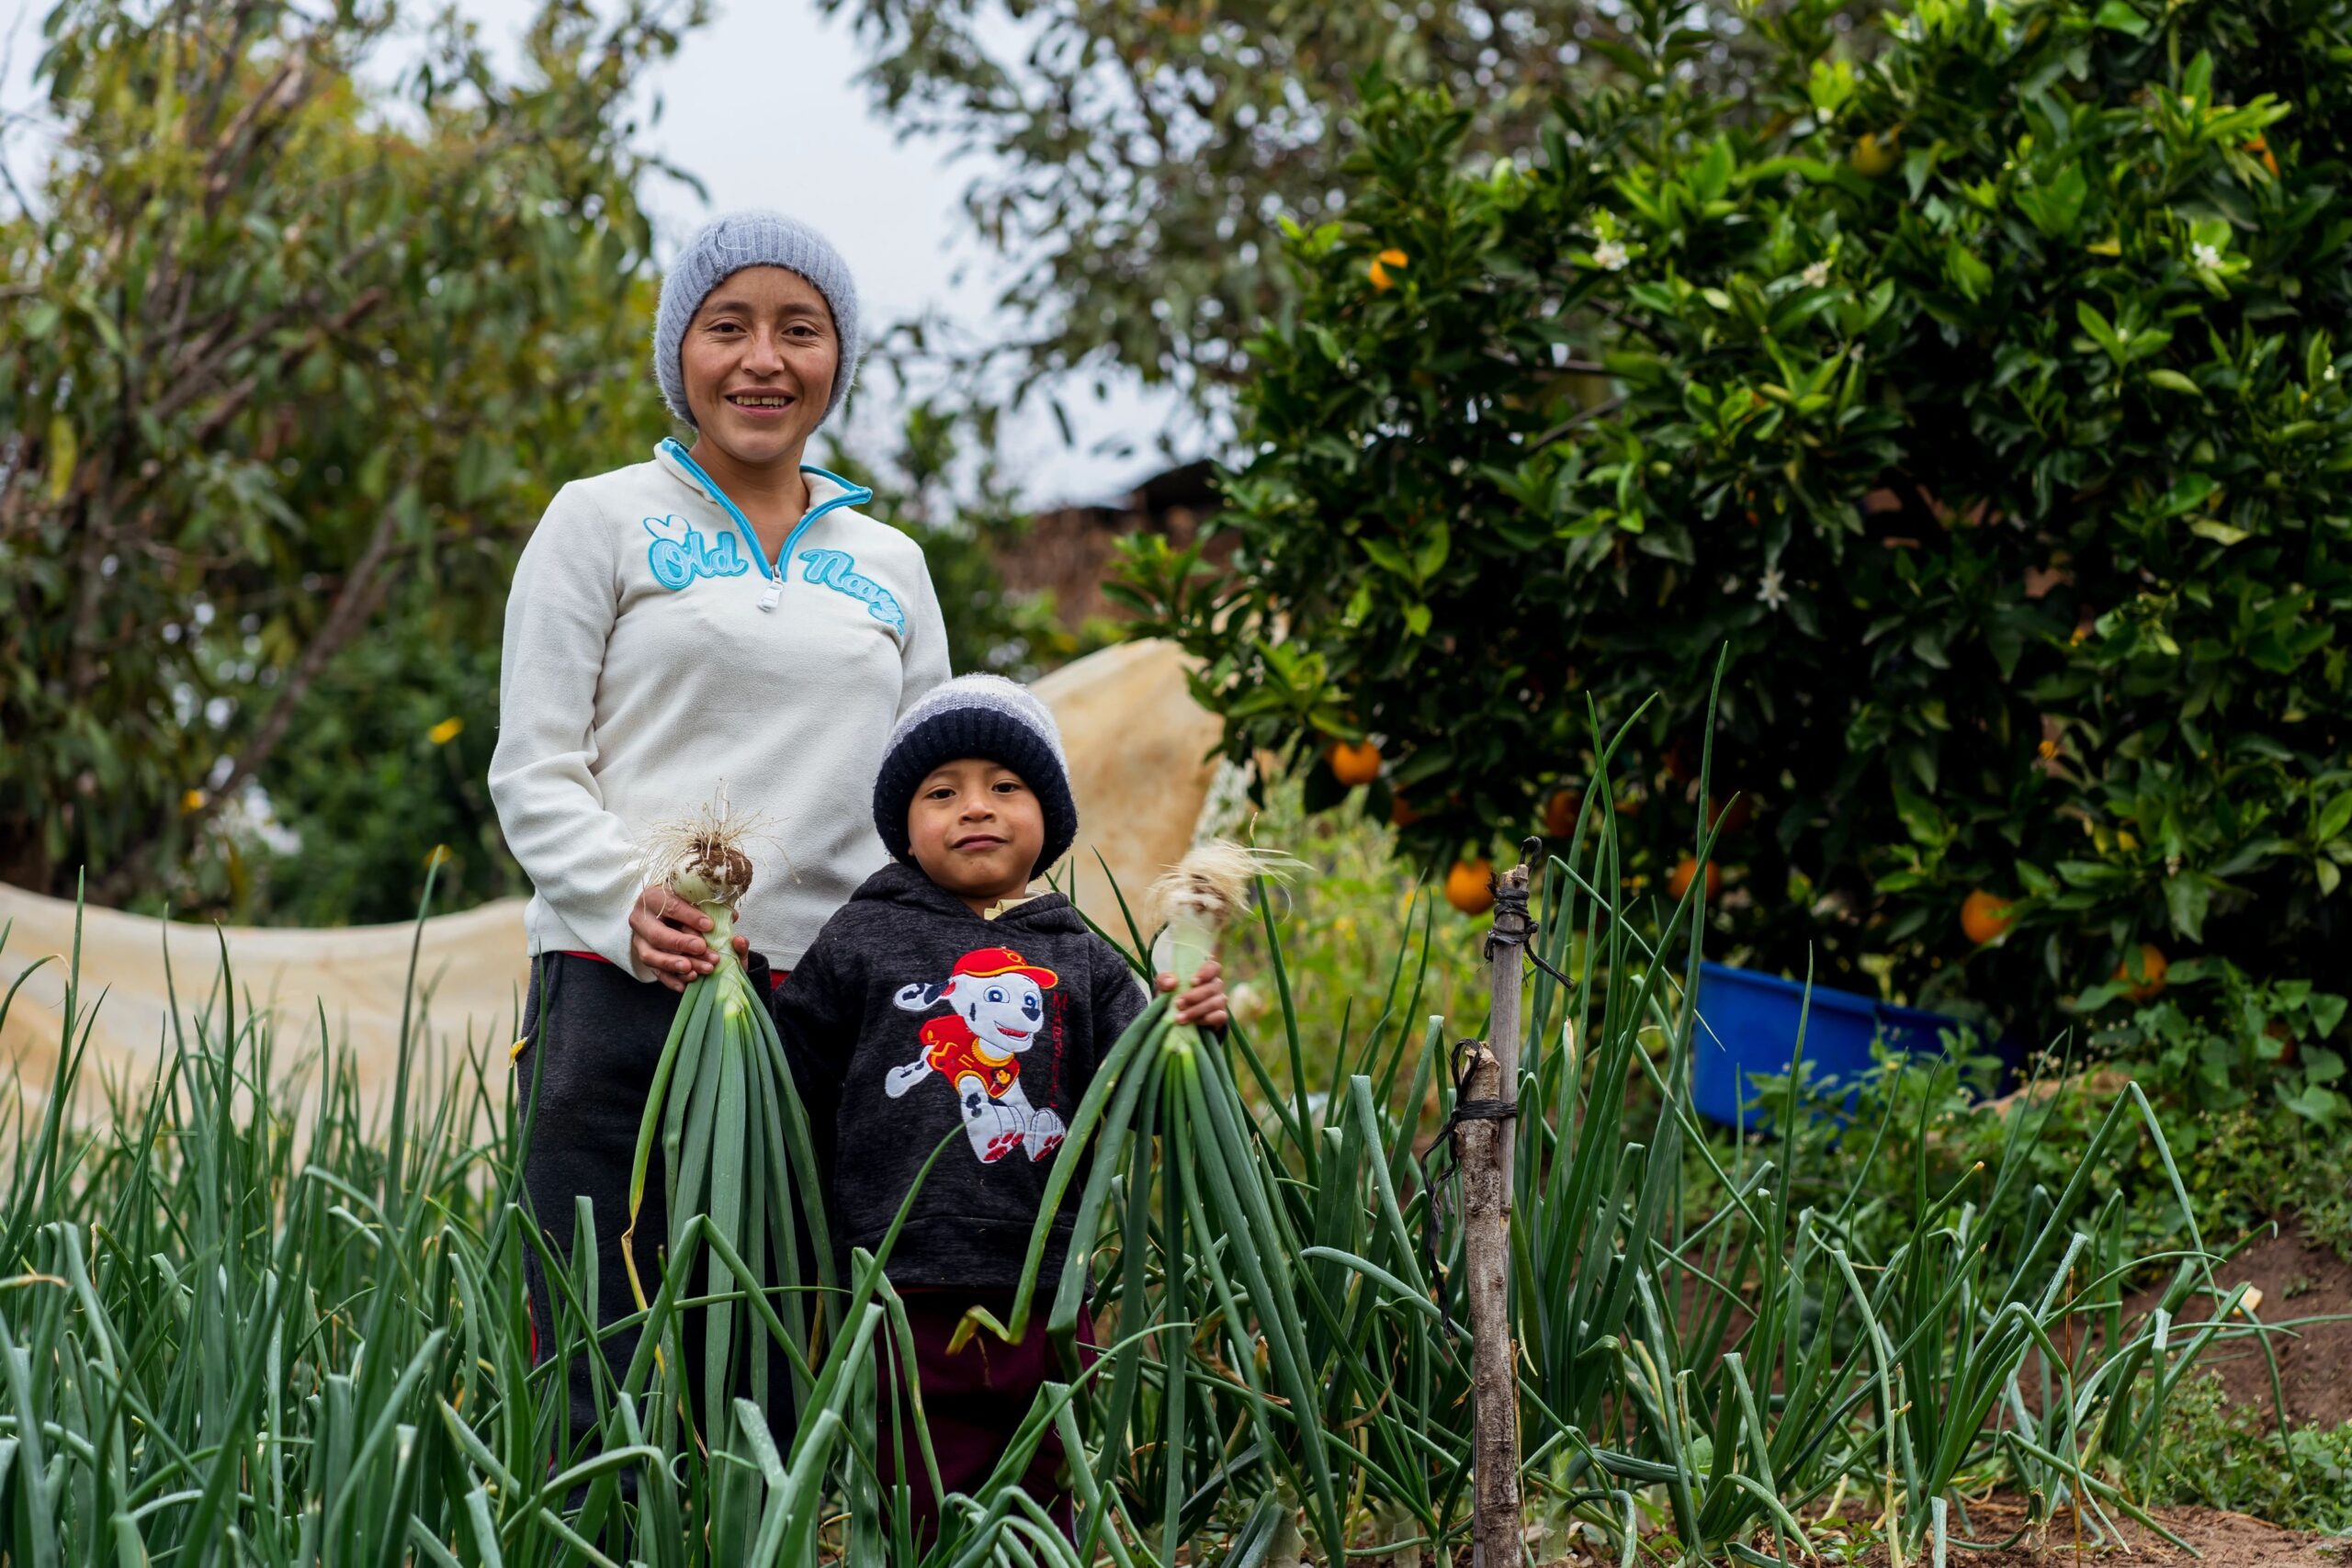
(1137, 746)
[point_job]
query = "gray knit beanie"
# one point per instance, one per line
(725, 246)
(977, 716)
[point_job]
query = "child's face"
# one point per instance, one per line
(976, 831)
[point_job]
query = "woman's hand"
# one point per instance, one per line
(666, 937)
(1205, 1003)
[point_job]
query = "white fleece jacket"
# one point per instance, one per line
(652, 654)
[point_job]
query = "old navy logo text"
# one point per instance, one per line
(838, 570)
(676, 562)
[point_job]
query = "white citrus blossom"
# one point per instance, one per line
(1611, 255)
(1769, 588)
(1816, 275)
(2205, 256)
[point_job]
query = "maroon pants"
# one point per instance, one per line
(972, 1403)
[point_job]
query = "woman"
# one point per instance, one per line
(719, 619)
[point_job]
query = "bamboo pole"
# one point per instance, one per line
(1487, 1150)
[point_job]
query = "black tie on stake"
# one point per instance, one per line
(1464, 1111)
(1513, 927)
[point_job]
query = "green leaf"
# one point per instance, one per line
(2327, 1011)
(2056, 207)
(2198, 81)
(1712, 178)
(1387, 557)
(2187, 898)
(2117, 17)
(2188, 494)
(2100, 332)
(1431, 557)
(63, 452)
(1967, 271)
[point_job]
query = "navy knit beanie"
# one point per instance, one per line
(977, 716)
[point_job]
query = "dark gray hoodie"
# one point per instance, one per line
(910, 1017)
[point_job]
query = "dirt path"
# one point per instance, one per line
(2222, 1540)
(2298, 1280)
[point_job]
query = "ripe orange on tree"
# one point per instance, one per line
(1733, 818)
(1355, 762)
(1560, 812)
(2152, 974)
(1985, 916)
(1874, 154)
(1677, 881)
(1469, 886)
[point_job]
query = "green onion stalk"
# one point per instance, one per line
(1225, 1242)
(736, 1147)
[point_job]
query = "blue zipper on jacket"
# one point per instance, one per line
(852, 495)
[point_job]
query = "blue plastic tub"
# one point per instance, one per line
(1748, 1026)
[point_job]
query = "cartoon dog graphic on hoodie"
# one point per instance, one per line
(999, 1008)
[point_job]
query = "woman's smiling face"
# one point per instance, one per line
(758, 361)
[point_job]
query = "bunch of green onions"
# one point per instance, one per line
(1227, 1243)
(735, 1148)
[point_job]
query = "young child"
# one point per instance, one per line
(944, 996)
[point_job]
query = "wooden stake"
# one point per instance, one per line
(1487, 1155)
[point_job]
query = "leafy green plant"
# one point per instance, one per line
(1355, 930)
(1133, 191)
(2253, 1043)
(1976, 385)
(279, 373)
(297, 347)
(2231, 1456)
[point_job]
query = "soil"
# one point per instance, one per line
(2299, 1280)
(2221, 1539)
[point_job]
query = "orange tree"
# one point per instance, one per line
(1976, 387)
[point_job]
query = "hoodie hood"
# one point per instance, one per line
(902, 884)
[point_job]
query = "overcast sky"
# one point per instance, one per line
(763, 106)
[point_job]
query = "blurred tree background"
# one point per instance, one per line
(1137, 160)
(273, 394)
(288, 365)
(292, 360)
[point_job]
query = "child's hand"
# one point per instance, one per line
(1205, 1003)
(665, 936)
